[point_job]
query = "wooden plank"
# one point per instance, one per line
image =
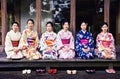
(3, 13)
(38, 16)
(107, 11)
(73, 17)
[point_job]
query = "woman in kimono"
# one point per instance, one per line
(29, 41)
(12, 42)
(84, 43)
(48, 43)
(105, 45)
(65, 43)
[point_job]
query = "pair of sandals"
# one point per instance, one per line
(26, 71)
(90, 71)
(72, 72)
(40, 71)
(110, 71)
(52, 71)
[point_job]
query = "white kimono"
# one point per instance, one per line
(48, 40)
(11, 43)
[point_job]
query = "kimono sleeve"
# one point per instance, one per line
(91, 41)
(8, 44)
(71, 42)
(78, 45)
(42, 43)
(23, 40)
(59, 42)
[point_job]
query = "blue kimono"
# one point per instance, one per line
(84, 40)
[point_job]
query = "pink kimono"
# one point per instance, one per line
(105, 46)
(65, 41)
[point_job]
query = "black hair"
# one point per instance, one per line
(104, 23)
(15, 23)
(30, 20)
(49, 22)
(84, 22)
(64, 22)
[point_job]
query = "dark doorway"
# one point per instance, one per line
(92, 12)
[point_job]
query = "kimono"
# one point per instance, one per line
(12, 43)
(84, 40)
(65, 41)
(105, 46)
(48, 40)
(30, 41)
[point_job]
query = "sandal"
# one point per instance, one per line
(74, 72)
(108, 70)
(112, 71)
(69, 72)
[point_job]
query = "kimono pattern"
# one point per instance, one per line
(105, 46)
(65, 41)
(48, 40)
(30, 40)
(84, 40)
(12, 43)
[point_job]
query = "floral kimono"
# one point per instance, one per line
(65, 41)
(84, 40)
(48, 41)
(12, 43)
(105, 46)
(30, 40)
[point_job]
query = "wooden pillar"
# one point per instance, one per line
(73, 17)
(3, 15)
(107, 11)
(38, 16)
(17, 11)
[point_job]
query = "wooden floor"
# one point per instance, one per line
(12, 69)
(59, 75)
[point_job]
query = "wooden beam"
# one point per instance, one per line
(107, 11)
(38, 16)
(3, 14)
(73, 17)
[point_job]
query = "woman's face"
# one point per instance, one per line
(66, 26)
(15, 27)
(83, 26)
(30, 24)
(49, 27)
(104, 28)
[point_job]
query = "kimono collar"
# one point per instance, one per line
(84, 31)
(64, 30)
(104, 33)
(49, 32)
(13, 31)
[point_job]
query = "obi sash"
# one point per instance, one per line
(15, 43)
(65, 41)
(31, 41)
(106, 43)
(84, 41)
(49, 42)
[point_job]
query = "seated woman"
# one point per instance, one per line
(105, 45)
(12, 42)
(84, 43)
(65, 42)
(48, 43)
(29, 41)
